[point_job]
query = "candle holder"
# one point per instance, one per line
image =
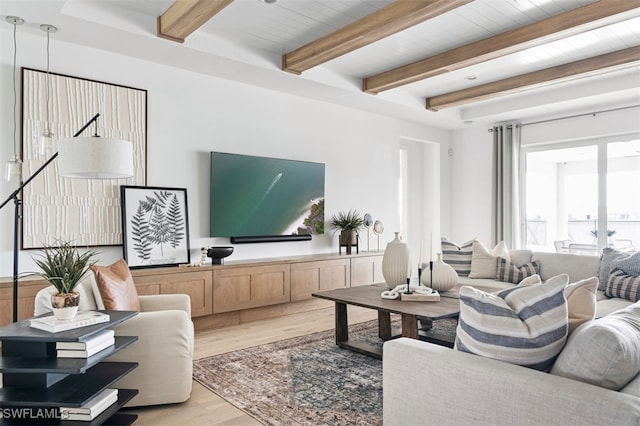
(408, 288)
(431, 273)
(419, 274)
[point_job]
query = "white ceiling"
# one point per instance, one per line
(246, 40)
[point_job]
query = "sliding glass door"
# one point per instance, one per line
(582, 196)
(623, 194)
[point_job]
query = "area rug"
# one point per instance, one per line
(305, 380)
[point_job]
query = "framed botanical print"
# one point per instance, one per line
(155, 224)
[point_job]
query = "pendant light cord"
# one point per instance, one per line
(48, 129)
(15, 94)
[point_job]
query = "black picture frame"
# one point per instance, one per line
(155, 226)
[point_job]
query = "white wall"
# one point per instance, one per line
(191, 114)
(470, 197)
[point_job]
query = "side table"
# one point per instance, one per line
(35, 382)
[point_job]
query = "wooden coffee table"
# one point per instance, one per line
(368, 296)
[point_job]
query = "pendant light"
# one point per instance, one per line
(47, 141)
(13, 172)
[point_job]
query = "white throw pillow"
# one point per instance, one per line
(484, 262)
(531, 280)
(581, 302)
(581, 298)
(525, 325)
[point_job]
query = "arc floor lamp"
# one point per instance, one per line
(78, 157)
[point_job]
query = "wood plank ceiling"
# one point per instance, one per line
(186, 16)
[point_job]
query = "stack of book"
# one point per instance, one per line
(92, 408)
(82, 319)
(86, 348)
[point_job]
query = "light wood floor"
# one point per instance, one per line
(206, 408)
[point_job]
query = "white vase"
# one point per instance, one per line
(65, 305)
(396, 262)
(444, 276)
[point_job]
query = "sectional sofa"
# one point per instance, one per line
(432, 385)
(578, 267)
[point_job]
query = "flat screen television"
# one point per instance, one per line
(262, 199)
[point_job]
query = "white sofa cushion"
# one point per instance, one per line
(604, 352)
(427, 384)
(578, 267)
(606, 305)
(87, 302)
(633, 387)
(520, 256)
(524, 325)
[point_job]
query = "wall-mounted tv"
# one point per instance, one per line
(261, 199)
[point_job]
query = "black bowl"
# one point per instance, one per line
(217, 254)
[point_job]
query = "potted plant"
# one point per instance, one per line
(349, 223)
(610, 233)
(63, 266)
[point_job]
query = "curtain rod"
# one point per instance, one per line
(572, 116)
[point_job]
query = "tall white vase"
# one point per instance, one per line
(396, 262)
(444, 276)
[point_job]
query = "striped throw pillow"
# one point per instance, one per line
(523, 325)
(623, 286)
(459, 257)
(511, 273)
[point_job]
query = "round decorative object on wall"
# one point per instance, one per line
(444, 276)
(396, 262)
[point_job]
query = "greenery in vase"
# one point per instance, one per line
(347, 221)
(63, 266)
(610, 233)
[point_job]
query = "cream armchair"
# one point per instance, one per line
(164, 350)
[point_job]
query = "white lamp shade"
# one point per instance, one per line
(95, 158)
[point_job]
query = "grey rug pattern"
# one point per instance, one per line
(305, 380)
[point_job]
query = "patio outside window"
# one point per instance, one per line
(582, 197)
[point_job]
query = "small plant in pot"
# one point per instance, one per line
(349, 223)
(63, 266)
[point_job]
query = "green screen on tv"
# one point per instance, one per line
(261, 196)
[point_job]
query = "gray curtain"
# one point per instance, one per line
(506, 184)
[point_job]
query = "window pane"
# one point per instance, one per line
(623, 194)
(562, 199)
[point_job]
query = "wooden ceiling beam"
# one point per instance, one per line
(617, 59)
(391, 19)
(185, 16)
(582, 19)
